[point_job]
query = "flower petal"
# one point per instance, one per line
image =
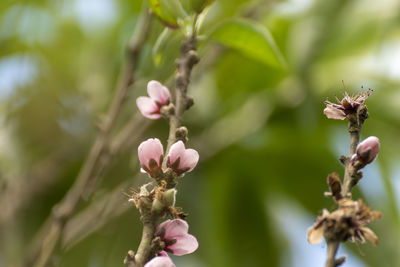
(148, 107)
(173, 228)
(185, 244)
(158, 92)
(370, 235)
(189, 160)
(176, 151)
(333, 113)
(150, 149)
(163, 260)
(314, 235)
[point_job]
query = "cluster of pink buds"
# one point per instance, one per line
(159, 96)
(173, 234)
(366, 152)
(179, 159)
(151, 151)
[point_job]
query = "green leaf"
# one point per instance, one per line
(250, 38)
(196, 6)
(168, 11)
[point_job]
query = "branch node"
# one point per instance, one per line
(129, 258)
(181, 134)
(189, 102)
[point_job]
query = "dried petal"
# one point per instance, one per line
(369, 235)
(314, 235)
(333, 113)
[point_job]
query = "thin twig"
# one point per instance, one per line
(332, 249)
(48, 239)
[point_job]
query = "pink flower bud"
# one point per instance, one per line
(162, 260)
(180, 159)
(151, 154)
(175, 235)
(368, 149)
(159, 96)
(159, 93)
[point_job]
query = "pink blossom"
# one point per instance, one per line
(368, 149)
(162, 260)
(180, 159)
(151, 154)
(159, 96)
(175, 235)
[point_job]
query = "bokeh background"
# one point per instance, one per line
(265, 146)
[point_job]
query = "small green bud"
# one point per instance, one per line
(157, 206)
(169, 197)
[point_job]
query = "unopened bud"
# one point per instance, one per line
(368, 149)
(169, 197)
(157, 206)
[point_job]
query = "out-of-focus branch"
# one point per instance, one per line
(48, 239)
(17, 193)
(96, 215)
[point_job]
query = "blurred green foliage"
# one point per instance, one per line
(265, 147)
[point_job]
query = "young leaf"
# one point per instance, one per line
(168, 11)
(250, 38)
(196, 6)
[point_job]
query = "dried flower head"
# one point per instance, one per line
(348, 222)
(348, 105)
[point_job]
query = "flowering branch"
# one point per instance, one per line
(156, 203)
(349, 221)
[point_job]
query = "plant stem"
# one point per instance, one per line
(349, 180)
(332, 249)
(355, 132)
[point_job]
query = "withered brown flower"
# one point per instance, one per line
(348, 222)
(348, 105)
